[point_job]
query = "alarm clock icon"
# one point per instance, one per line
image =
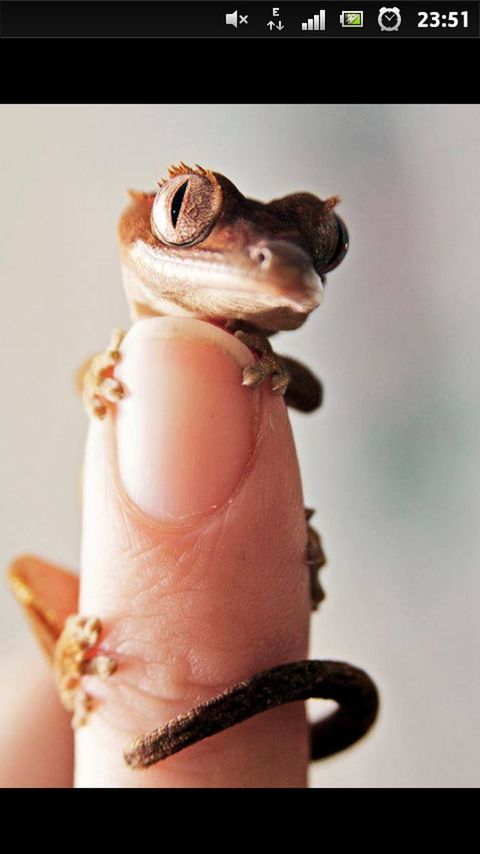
(389, 18)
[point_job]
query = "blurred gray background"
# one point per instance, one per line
(391, 462)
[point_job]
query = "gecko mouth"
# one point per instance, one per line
(274, 282)
(278, 271)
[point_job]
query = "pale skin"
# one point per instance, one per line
(232, 272)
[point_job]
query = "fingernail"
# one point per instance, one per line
(186, 427)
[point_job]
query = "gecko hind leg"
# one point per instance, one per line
(98, 386)
(49, 596)
(75, 657)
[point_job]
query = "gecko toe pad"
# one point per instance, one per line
(75, 657)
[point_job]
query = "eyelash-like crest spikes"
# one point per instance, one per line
(183, 169)
(331, 203)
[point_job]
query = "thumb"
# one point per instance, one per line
(193, 557)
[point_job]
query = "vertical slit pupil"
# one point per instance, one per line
(177, 202)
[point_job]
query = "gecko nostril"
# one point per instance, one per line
(262, 256)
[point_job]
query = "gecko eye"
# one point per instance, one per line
(341, 248)
(186, 208)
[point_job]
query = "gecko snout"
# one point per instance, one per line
(281, 255)
(284, 268)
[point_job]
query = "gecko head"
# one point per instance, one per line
(197, 246)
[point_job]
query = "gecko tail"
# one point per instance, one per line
(47, 593)
(350, 687)
(358, 704)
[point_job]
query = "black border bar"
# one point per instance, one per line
(187, 19)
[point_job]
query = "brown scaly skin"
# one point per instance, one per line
(198, 247)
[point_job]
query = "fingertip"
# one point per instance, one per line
(195, 590)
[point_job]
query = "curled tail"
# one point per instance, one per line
(350, 687)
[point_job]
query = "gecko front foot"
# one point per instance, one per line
(98, 384)
(74, 657)
(269, 364)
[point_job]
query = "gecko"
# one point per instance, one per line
(197, 247)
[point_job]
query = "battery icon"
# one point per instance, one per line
(351, 19)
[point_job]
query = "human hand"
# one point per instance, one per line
(193, 556)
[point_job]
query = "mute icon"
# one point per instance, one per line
(232, 18)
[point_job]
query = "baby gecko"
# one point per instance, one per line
(197, 247)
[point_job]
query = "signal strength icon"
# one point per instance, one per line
(315, 23)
